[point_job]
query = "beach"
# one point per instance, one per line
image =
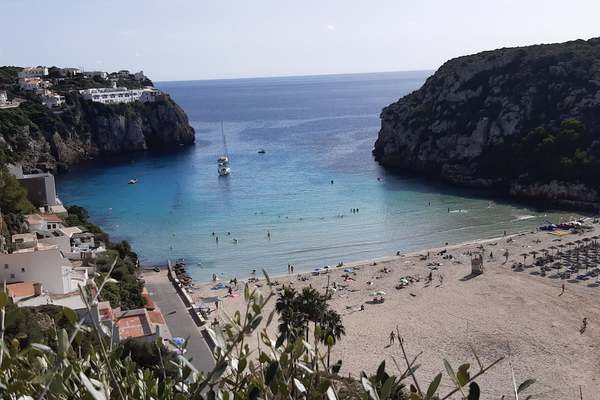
(505, 312)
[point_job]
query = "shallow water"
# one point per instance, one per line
(314, 130)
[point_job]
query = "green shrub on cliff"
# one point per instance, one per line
(13, 197)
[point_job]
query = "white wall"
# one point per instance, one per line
(48, 267)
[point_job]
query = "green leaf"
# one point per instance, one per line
(270, 372)
(476, 357)
(380, 371)
(70, 315)
(463, 374)
(369, 388)
(331, 394)
(42, 347)
(433, 387)
(450, 372)
(386, 389)
(89, 386)
(3, 299)
(63, 342)
(299, 386)
(525, 385)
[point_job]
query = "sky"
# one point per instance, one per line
(213, 39)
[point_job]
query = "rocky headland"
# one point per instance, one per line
(523, 121)
(52, 139)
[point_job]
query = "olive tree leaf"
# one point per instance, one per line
(433, 387)
(525, 385)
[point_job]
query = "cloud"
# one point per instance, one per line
(330, 28)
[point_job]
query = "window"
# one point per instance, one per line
(5, 266)
(22, 269)
(12, 276)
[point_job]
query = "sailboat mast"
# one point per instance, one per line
(224, 141)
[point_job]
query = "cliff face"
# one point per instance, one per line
(525, 121)
(40, 138)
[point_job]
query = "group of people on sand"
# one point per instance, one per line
(354, 210)
(290, 269)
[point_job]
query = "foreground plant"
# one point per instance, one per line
(287, 367)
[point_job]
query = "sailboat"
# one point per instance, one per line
(223, 161)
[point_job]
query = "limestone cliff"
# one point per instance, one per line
(82, 130)
(524, 121)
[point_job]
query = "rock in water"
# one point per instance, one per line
(524, 121)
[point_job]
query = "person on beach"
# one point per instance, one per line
(289, 268)
(392, 337)
(441, 279)
(214, 277)
(216, 304)
(292, 269)
(583, 326)
(213, 234)
(217, 239)
(269, 235)
(430, 277)
(230, 291)
(562, 289)
(491, 254)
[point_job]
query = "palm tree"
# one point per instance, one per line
(312, 304)
(332, 330)
(291, 321)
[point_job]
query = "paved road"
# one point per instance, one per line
(178, 319)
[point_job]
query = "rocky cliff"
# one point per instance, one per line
(46, 139)
(524, 121)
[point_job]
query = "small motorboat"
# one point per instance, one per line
(261, 151)
(132, 181)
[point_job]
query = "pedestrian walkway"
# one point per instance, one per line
(178, 319)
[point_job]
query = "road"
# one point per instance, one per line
(178, 319)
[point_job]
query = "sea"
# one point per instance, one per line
(315, 197)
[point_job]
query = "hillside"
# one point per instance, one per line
(522, 121)
(54, 138)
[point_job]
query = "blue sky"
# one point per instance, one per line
(208, 39)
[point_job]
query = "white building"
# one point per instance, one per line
(94, 74)
(43, 264)
(43, 222)
(52, 100)
(112, 95)
(31, 84)
(3, 97)
(69, 71)
(32, 72)
(149, 95)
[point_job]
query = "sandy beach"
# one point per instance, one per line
(504, 310)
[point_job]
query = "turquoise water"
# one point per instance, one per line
(314, 130)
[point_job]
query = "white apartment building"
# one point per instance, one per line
(116, 95)
(43, 264)
(32, 72)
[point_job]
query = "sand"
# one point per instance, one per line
(498, 312)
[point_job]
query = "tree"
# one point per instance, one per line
(13, 196)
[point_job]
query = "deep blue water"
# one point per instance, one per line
(314, 130)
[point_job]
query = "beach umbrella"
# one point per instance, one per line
(179, 341)
(524, 255)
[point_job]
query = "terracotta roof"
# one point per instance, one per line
(21, 289)
(133, 326)
(156, 317)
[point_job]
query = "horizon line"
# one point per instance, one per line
(296, 76)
